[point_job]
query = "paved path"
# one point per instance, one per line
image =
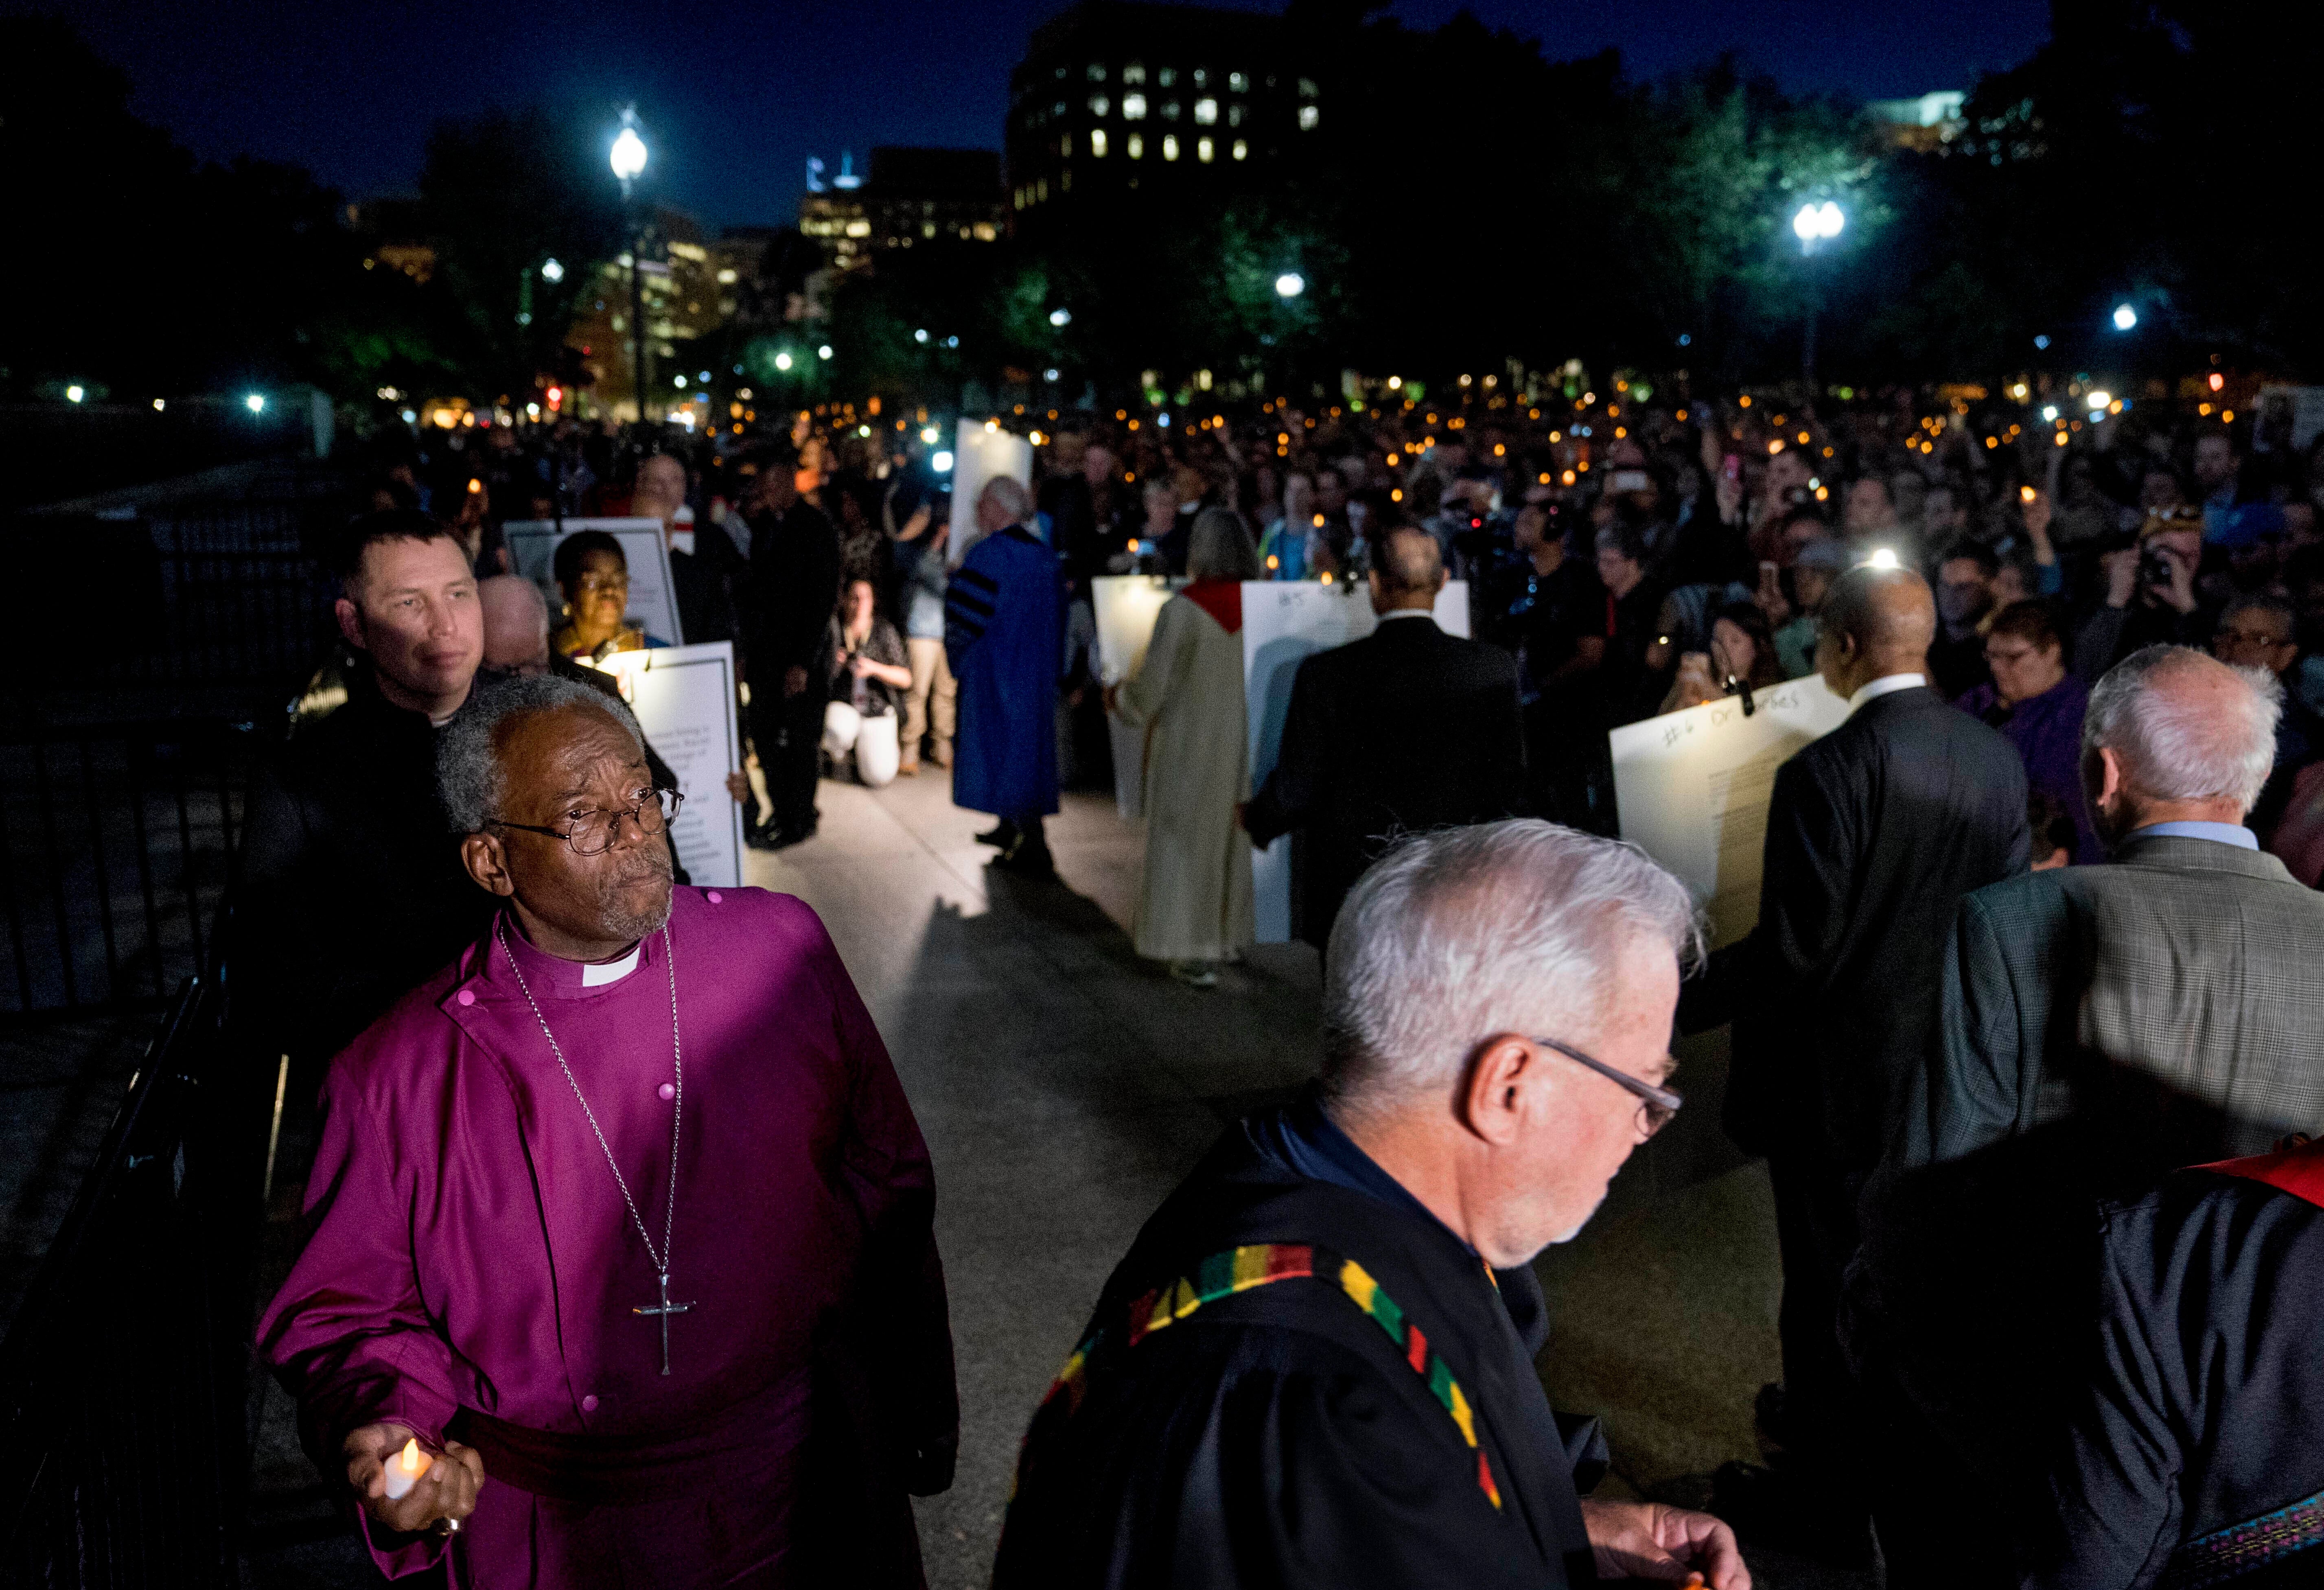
(1065, 1087)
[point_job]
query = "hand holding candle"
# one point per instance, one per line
(409, 1488)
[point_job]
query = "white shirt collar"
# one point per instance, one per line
(597, 973)
(1887, 684)
(1406, 613)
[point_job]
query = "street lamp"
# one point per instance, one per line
(629, 159)
(1290, 285)
(1813, 224)
(2124, 317)
(552, 271)
(1060, 317)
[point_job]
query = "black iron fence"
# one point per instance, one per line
(119, 1381)
(117, 846)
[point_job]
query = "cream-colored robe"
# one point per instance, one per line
(1194, 895)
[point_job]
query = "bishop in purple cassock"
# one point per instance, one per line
(643, 1238)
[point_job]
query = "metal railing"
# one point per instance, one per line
(117, 845)
(119, 1387)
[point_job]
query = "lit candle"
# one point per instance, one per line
(405, 1469)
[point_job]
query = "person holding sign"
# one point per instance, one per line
(1874, 834)
(595, 575)
(1194, 889)
(622, 1216)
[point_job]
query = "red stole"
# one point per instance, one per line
(2298, 1171)
(1220, 599)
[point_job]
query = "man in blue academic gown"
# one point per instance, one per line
(1004, 617)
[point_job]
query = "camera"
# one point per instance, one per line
(2155, 569)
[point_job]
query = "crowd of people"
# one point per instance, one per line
(2027, 1029)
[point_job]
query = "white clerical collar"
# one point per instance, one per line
(597, 973)
(1887, 684)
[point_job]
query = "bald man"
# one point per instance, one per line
(1874, 834)
(1406, 730)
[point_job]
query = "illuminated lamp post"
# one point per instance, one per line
(1815, 224)
(629, 160)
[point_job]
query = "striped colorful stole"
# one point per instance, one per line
(2247, 1547)
(1241, 1269)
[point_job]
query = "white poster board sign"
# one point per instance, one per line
(2302, 407)
(684, 699)
(653, 604)
(1693, 789)
(1284, 623)
(1127, 606)
(978, 455)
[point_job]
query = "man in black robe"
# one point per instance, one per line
(2194, 1459)
(794, 590)
(1315, 1366)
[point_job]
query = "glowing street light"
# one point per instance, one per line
(629, 150)
(1818, 223)
(1060, 317)
(255, 402)
(2098, 397)
(1290, 285)
(782, 360)
(73, 394)
(1882, 558)
(2124, 317)
(940, 463)
(822, 351)
(552, 270)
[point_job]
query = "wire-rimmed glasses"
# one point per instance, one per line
(593, 832)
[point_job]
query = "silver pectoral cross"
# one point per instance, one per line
(663, 1314)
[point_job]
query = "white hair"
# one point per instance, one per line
(2176, 744)
(1010, 492)
(470, 780)
(1463, 933)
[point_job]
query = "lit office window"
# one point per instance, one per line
(1206, 112)
(1169, 110)
(1170, 146)
(1307, 118)
(1135, 72)
(1167, 76)
(1203, 150)
(1137, 147)
(1241, 150)
(1202, 78)
(1306, 87)
(1098, 104)
(1133, 107)
(1065, 144)
(1237, 82)
(1097, 71)
(1235, 115)
(1097, 143)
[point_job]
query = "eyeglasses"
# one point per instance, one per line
(592, 584)
(593, 832)
(1656, 1105)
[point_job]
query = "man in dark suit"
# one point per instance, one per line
(1874, 834)
(1404, 730)
(2099, 1026)
(793, 589)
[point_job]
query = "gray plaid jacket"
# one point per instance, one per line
(2170, 1003)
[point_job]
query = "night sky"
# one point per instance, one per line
(735, 96)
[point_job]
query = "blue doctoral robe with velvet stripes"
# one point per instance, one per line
(1290, 1383)
(1004, 635)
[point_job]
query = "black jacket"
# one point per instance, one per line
(1406, 730)
(1874, 834)
(1286, 1436)
(352, 890)
(794, 590)
(2204, 1374)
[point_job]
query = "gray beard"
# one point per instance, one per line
(626, 924)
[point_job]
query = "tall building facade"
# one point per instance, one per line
(1113, 98)
(911, 196)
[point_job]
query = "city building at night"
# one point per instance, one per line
(1113, 98)
(911, 196)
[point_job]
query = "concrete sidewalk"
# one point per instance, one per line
(1065, 1087)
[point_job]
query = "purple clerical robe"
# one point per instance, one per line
(473, 1271)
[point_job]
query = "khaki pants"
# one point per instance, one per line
(928, 704)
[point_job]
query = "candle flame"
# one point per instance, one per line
(410, 1458)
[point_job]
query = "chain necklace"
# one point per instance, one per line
(660, 1261)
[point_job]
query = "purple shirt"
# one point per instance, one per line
(2047, 730)
(471, 1251)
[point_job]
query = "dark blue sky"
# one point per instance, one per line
(737, 96)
